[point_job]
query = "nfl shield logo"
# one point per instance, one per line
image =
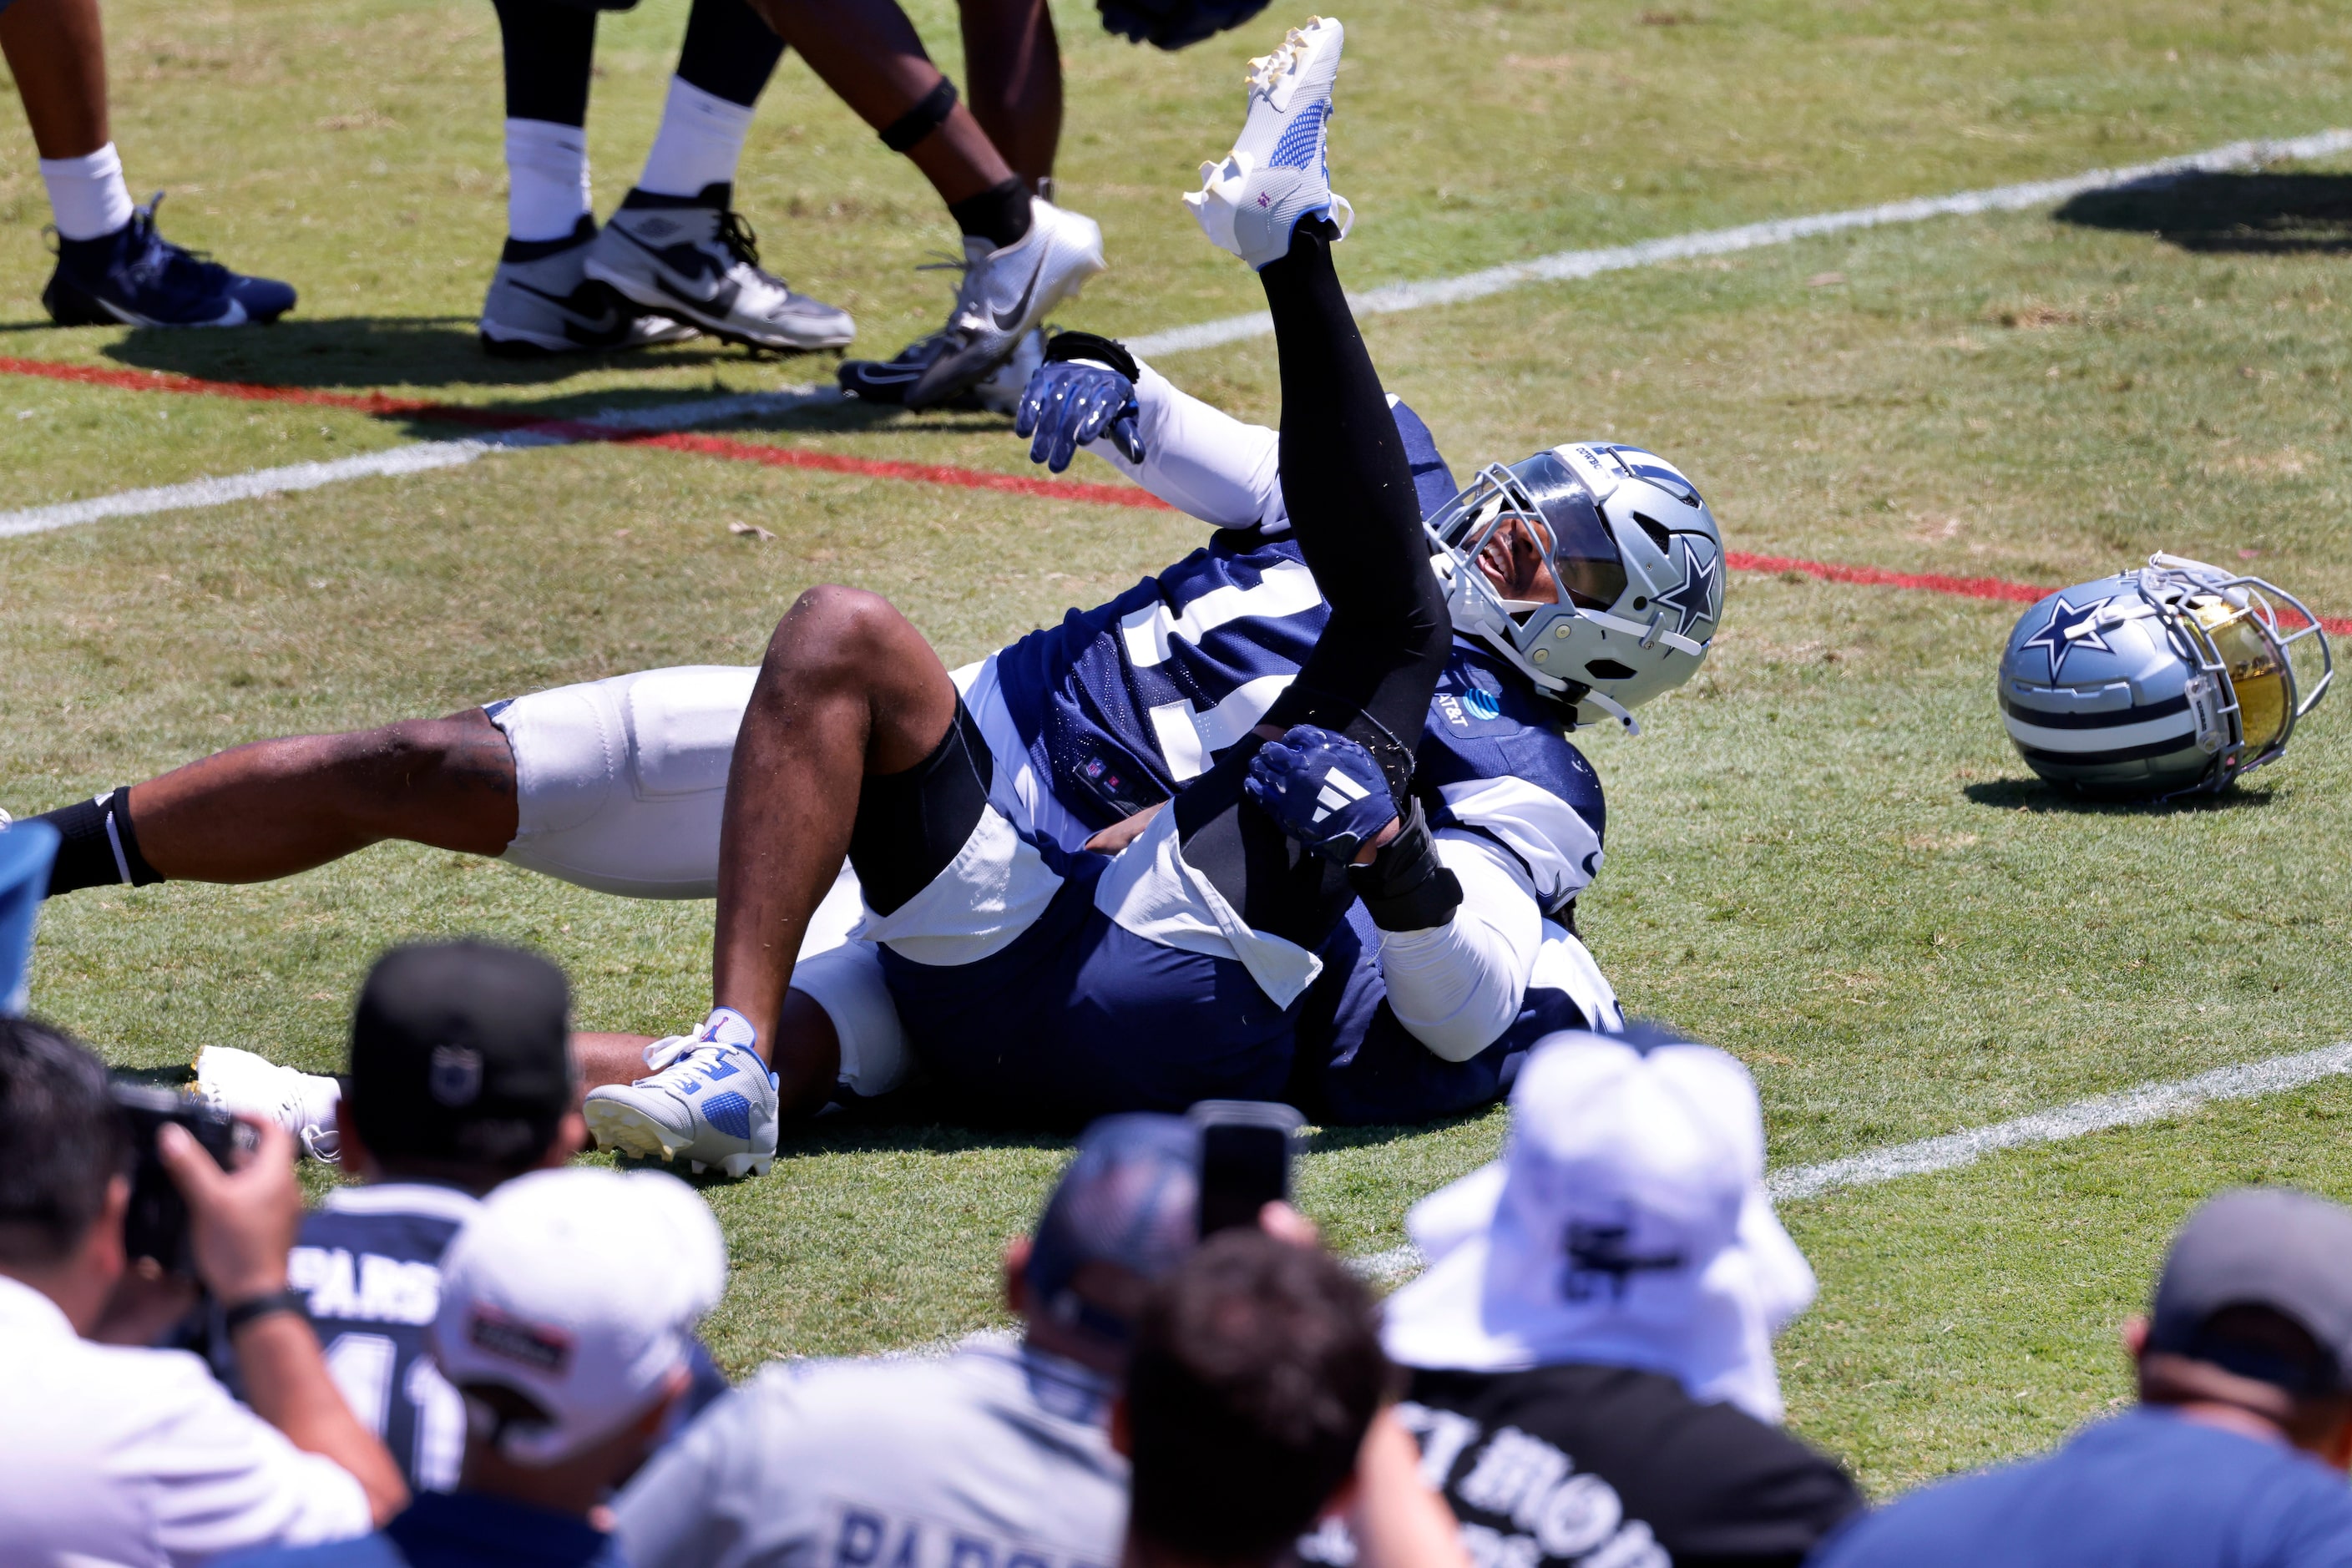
(456, 1075)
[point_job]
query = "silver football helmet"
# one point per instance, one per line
(1622, 562)
(2173, 680)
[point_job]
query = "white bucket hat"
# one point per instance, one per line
(1626, 1223)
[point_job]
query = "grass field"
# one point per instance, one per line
(1823, 856)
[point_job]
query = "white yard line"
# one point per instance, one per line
(1566, 264)
(2131, 1108)
(1559, 267)
(414, 458)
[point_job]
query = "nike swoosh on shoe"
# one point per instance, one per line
(608, 322)
(1008, 321)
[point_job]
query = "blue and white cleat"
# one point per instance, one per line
(711, 1099)
(135, 276)
(1276, 175)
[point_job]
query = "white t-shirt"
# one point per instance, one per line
(996, 1457)
(111, 1455)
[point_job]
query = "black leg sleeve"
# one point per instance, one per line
(550, 50)
(1349, 492)
(1372, 673)
(729, 51)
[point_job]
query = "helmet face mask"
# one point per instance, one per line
(1594, 568)
(2174, 679)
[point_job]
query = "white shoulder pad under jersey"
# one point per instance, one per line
(994, 1456)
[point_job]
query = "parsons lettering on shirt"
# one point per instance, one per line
(368, 1260)
(867, 1535)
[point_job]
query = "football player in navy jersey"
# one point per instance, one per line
(1578, 583)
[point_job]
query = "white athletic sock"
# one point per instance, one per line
(547, 179)
(87, 194)
(700, 142)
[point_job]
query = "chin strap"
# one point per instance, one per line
(1405, 887)
(1612, 708)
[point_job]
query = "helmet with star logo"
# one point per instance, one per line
(2172, 679)
(1594, 568)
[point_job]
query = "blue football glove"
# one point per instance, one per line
(1323, 788)
(1069, 403)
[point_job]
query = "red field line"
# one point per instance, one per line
(775, 457)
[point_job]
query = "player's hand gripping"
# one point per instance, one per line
(1325, 790)
(1069, 403)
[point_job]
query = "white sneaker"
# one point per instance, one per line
(711, 1099)
(239, 1083)
(1006, 294)
(540, 302)
(694, 259)
(1277, 174)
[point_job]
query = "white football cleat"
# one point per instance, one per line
(1006, 294)
(1277, 175)
(239, 1083)
(695, 260)
(711, 1099)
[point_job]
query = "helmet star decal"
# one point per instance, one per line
(2067, 629)
(1698, 596)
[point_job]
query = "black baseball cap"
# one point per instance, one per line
(2274, 1248)
(460, 1052)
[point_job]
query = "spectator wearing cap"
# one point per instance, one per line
(998, 1456)
(1254, 1407)
(566, 1325)
(1590, 1346)
(461, 1079)
(2237, 1450)
(117, 1453)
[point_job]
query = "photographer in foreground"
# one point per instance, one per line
(127, 1455)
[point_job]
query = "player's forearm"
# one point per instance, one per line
(1199, 459)
(1456, 987)
(288, 1385)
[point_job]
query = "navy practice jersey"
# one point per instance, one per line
(1122, 704)
(368, 1260)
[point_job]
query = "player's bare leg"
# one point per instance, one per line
(274, 808)
(868, 53)
(847, 688)
(847, 693)
(56, 52)
(1012, 62)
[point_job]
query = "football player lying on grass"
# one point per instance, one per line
(985, 810)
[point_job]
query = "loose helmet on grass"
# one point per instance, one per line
(2172, 679)
(1635, 573)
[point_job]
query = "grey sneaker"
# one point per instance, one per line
(711, 1099)
(694, 259)
(1006, 294)
(540, 302)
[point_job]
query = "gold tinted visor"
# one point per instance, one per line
(2258, 673)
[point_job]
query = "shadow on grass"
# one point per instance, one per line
(2039, 796)
(2260, 213)
(916, 1122)
(361, 352)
